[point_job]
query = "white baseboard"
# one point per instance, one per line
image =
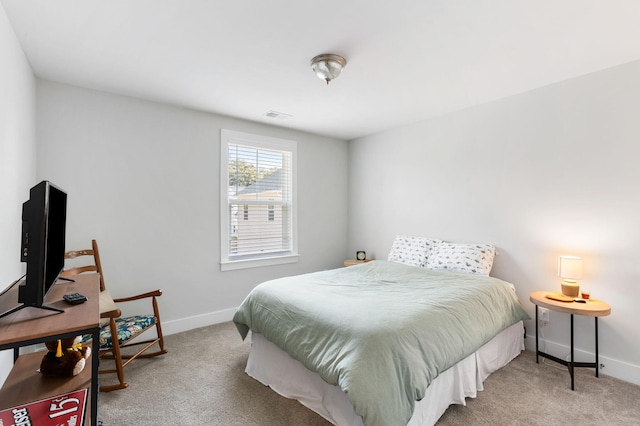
(189, 323)
(609, 366)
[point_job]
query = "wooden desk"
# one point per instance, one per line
(32, 325)
(592, 308)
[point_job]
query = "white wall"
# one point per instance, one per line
(549, 172)
(143, 179)
(17, 156)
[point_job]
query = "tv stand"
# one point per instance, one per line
(24, 305)
(17, 308)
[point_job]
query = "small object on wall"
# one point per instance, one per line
(361, 255)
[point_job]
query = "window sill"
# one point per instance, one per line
(232, 265)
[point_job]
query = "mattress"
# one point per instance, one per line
(275, 368)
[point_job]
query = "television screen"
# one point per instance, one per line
(43, 241)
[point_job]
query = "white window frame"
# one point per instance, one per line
(259, 141)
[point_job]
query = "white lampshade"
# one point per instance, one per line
(570, 267)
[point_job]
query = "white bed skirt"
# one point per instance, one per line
(275, 368)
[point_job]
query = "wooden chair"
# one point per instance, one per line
(126, 329)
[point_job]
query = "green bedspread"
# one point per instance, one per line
(381, 331)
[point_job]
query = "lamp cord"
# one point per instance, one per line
(12, 284)
(544, 360)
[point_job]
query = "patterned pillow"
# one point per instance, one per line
(468, 258)
(411, 250)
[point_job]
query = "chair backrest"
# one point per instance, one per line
(93, 265)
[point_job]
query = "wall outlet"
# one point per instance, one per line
(543, 315)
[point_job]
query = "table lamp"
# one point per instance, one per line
(570, 270)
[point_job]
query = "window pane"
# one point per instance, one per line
(258, 174)
(265, 231)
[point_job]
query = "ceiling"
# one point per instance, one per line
(407, 60)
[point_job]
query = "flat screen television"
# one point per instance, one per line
(44, 218)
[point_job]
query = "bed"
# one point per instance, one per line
(381, 343)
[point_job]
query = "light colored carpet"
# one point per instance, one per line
(201, 381)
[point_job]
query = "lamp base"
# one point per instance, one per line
(570, 288)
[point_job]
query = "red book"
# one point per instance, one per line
(61, 410)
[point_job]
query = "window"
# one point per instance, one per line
(257, 201)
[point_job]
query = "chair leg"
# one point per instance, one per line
(110, 388)
(117, 356)
(156, 312)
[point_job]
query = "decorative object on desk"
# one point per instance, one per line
(570, 269)
(66, 357)
(586, 294)
(361, 255)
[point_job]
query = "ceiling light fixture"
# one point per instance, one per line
(328, 66)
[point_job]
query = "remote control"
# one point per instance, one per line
(74, 298)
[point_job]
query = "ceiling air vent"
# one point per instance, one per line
(277, 115)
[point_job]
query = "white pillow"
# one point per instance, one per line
(411, 250)
(468, 258)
